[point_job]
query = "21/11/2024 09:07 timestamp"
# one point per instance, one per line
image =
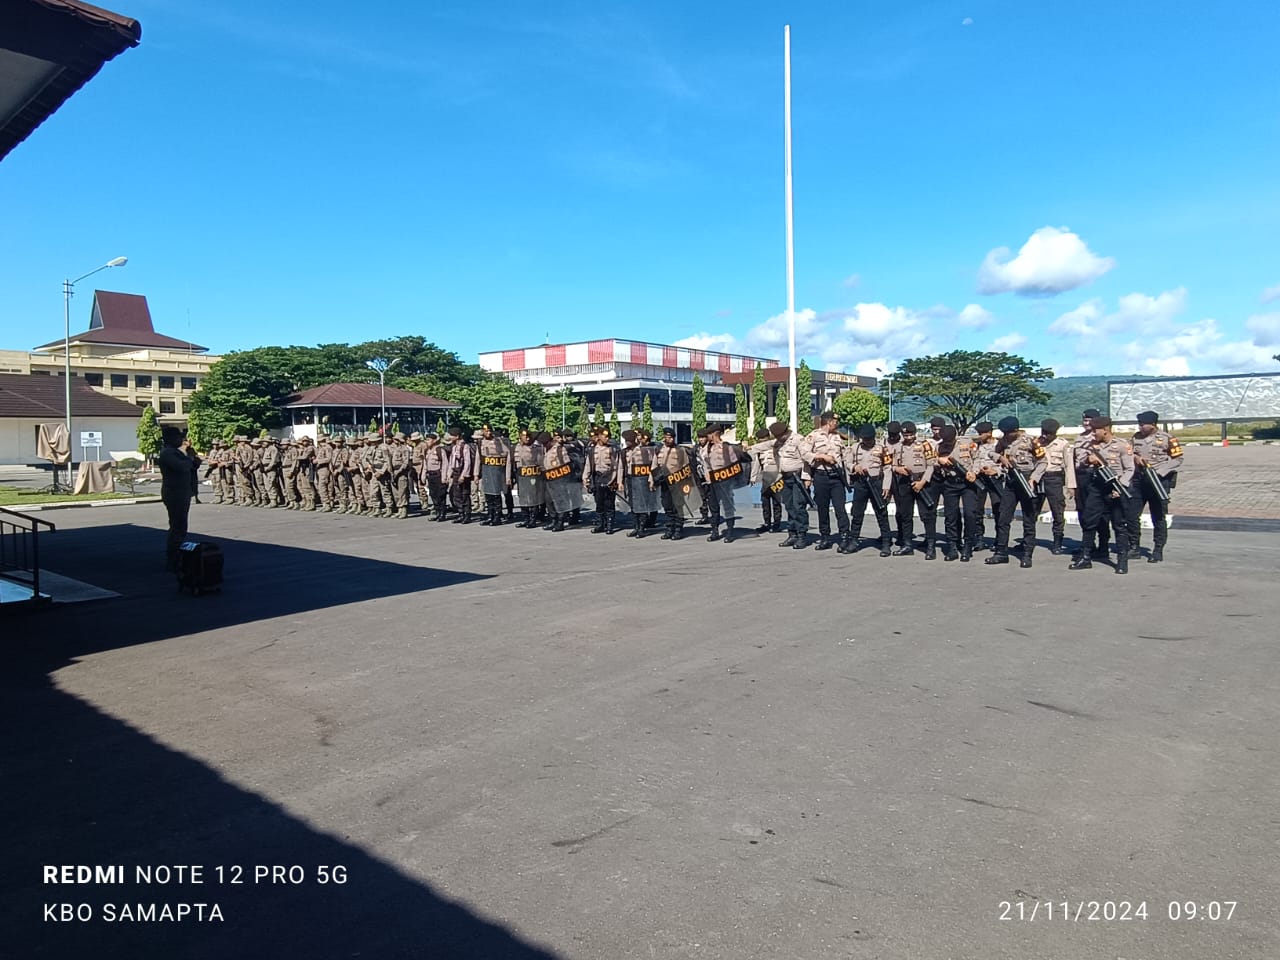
(1093, 911)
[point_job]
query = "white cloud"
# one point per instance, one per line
(867, 336)
(1270, 294)
(1265, 328)
(1053, 260)
(720, 342)
(1135, 313)
(1147, 315)
(967, 22)
(976, 317)
(1144, 334)
(1084, 321)
(1007, 343)
(852, 281)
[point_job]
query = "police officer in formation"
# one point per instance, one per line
(1111, 479)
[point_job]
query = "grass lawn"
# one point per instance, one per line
(21, 497)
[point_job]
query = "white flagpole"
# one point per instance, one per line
(791, 253)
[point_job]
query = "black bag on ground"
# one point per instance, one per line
(199, 567)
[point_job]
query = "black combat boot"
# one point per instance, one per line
(998, 555)
(637, 526)
(846, 544)
(1157, 554)
(790, 541)
(599, 527)
(558, 524)
(1056, 549)
(608, 523)
(930, 550)
(715, 533)
(885, 544)
(763, 528)
(966, 552)
(801, 541)
(677, 530)
(728, 531)
(950, 551)
(1122, 563)
(1081, 562)
(1025, 562)
(575, 517)
(1135, 552)
(651, 520)
(668, 531)
(905, 550)
(824, 542)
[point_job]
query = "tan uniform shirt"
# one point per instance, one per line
(916, 458)
(1057, 452)
(1025, 455)
(1160, 450)
(820, 444)
(872, 461)
(790, 453)
(604, 461)
(1115, 453)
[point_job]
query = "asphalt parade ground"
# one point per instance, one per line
(409, 739)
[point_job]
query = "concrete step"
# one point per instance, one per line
(20, 596)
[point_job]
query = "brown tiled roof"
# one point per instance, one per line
(362, 395)
(50, 49)
(124, 319)
(43, 397)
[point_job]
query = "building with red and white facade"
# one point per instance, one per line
(619, 373)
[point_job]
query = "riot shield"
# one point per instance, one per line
(685, 494)
(530, 485)
(642, 499)
(493, 477)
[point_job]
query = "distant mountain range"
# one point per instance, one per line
(1070, 396)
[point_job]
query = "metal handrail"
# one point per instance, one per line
(32, 531)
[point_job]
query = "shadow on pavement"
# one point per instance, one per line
(82, 787)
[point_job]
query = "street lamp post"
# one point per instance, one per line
(888, 377)
(381, 367)
(68, 289)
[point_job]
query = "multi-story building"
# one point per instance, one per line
(619, 373)
(122, 356)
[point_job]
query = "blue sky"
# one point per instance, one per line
(1091, 185)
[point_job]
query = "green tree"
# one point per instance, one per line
(598, 419)
(495, 399)
(782, 405)
(441, 429)
(513, 426)
(966, 385)
(615, 426)
(200, 434)
(699, 404)
(150, 438)
(856, 407)
(740, 413)
(635, 417)
(759, 401)
(584, 417)
(646, 417)
(804, 397)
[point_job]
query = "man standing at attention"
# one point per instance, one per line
(176, 469)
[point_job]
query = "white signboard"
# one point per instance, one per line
(1245, 396)
(90, 438)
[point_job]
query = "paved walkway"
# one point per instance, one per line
(1239, 481)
